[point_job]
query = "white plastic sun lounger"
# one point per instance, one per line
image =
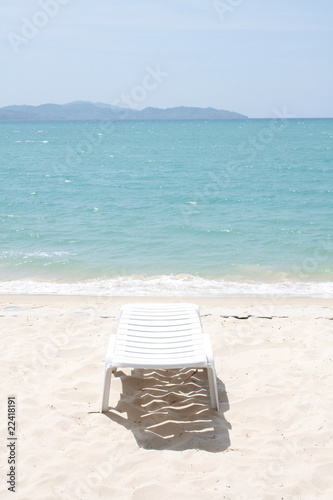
(159, 336)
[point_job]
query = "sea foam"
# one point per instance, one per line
(167, 286)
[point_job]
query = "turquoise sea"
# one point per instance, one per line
(167, 208)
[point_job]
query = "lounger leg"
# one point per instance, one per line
(213, 388)
(106, 388)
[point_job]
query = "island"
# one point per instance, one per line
(85, 110)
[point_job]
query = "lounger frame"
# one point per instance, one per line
(159, 336)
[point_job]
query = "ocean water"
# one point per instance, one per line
(167, 208)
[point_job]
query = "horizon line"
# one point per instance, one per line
(161, 108)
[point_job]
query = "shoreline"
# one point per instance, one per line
(168, 287)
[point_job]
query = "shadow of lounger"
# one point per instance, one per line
(170, 409)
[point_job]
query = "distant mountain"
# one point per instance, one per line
(83, 110)
(183, 113)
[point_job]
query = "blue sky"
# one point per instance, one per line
(254, 57)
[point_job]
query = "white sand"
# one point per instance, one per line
(272, 438)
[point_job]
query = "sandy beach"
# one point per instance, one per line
(272, 438)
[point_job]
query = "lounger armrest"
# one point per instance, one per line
(208, 349)
(110, 350)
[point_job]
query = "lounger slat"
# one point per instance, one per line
(159, 342)
(169, 364)
(160, 330)
(159, 314)
(158, 337)
(160, 320)
(161, 324)
(162, 350)
(157, 328)
(188, 357)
